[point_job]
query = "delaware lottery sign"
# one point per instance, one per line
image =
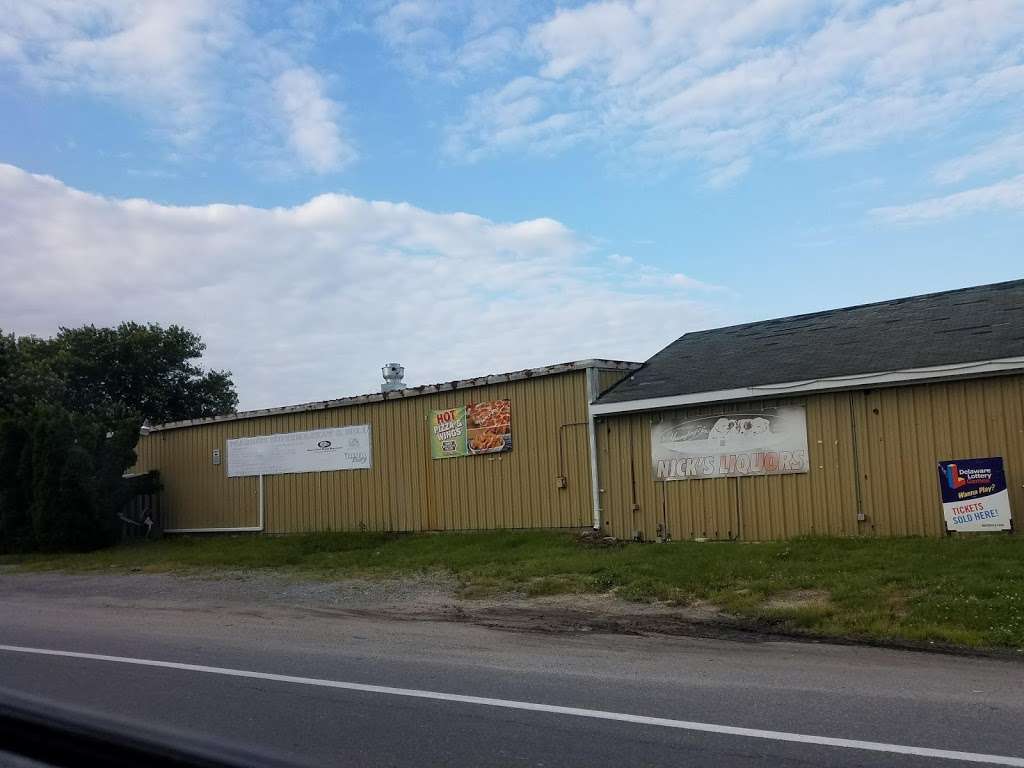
(974, 495)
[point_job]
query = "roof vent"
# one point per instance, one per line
(393, 373)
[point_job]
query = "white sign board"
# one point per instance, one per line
(319, 450)
(768, 442)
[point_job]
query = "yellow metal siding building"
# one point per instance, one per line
(854, 407)
(872, 468)
(543, 482)
(841, 419)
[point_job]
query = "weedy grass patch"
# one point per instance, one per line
(966, 591)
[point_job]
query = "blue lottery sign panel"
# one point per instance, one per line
(974, 495)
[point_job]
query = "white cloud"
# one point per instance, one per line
(312, 120)
(188, 66)
(685, 281)
(515, 116)
(728, 174)
(997, 157)
(1005, 195)
(152, 55)
(307, 302)
(649, 276)
(450, 39)
(1003, 154)
(674, 82)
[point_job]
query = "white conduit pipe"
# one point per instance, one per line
(595, 482)
(242, 529)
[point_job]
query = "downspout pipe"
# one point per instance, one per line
(241, 529)
(595, 481)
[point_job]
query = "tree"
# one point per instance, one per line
(144, 368)
(15, 487)
(75, 485)
(70, 411)
(28, 374)
(147, 370)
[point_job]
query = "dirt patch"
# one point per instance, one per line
(796, 599)
(619, 621)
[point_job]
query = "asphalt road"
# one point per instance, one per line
(783, 690)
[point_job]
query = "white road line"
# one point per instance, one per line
(664, 722)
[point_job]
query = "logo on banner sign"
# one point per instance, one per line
(957, 477)
(974, 495)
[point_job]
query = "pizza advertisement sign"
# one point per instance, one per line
(974, 495)
(489, 427)
(472, 429)
(448, 433)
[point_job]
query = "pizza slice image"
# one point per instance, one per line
(489, 426)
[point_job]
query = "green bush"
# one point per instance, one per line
(15, 488)
(61, 482)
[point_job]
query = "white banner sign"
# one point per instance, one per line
(768, 442)
(319, 450)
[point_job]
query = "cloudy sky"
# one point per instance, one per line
(469, 187)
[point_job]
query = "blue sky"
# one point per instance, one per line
(554, 181)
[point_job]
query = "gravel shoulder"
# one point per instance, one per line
(281, 597)
(422, 597)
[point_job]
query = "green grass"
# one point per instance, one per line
(967, 591)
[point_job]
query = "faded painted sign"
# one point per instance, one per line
(768, 442)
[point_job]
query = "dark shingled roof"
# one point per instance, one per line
(966, 325)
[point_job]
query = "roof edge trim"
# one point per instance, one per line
(855, 381)
(424, 389)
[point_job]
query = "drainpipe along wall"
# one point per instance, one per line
(595, 481)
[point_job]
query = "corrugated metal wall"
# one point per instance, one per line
(905, 431)
(605, 378)
(895, 436)
(405, 490)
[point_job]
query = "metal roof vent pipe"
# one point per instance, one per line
(393, 373)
